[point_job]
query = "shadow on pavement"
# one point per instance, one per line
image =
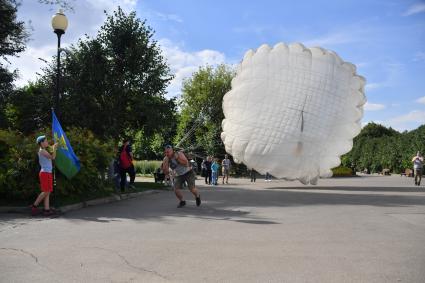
(234, 204)
(237, 204)
(420, 189)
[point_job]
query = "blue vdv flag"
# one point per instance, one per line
(66, 160)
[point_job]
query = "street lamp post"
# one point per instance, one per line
(59, 25)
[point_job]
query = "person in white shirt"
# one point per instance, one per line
(225, 164)
(417, 167)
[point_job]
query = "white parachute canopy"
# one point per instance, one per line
(293, 111)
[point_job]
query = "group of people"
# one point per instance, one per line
(210, 170)
(175, 163)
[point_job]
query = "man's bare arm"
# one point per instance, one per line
(52, 156)
(165, 166)
(181, 158)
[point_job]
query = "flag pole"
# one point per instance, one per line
(54, 194)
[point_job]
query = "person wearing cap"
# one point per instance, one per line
(45, 176)
(417, 167)
(183, 172)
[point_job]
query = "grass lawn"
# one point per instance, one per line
(144, 186)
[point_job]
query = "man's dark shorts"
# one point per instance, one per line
(189, 177)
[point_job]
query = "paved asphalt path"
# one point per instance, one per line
(367, 229)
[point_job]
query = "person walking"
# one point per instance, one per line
(417, 167)
(268, 177)
(125, 161)
(225, 164)
(253, 175)
(183, 172)
(46, 176)
(204, 170)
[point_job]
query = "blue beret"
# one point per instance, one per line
(40, 139)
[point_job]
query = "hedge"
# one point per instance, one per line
(342, 171)
(19, 166)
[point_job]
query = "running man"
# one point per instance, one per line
(178, 162)
(417, 167)
(225, 164)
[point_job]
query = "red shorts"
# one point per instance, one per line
(46, 181)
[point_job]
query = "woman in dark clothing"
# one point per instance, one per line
(208, 171)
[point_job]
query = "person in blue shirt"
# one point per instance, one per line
(214, 169)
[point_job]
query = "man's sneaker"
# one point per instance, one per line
(198, 200)
(34, 210)
(48, 213)
(181, 204)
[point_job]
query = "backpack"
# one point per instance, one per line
(125, 160)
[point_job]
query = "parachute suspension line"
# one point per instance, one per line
(299, 148)
(190, 132)
(196, 124)
(302, 120)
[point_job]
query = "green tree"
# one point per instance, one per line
(114, 83)
(13, 37)
(378, 147)
(199, 125)
(28, 108)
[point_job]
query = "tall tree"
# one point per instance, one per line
(114, 83)
(13, 37)
(201, 115)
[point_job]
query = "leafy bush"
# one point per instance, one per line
(95, 157)
(342, 171)
(19, 167)
(145, 167)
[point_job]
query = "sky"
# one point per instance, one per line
(385, 39)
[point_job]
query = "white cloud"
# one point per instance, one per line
(373, 106)
(415, 9)
(408, 121)
(183, 64)
(421, 100)
(28, 63)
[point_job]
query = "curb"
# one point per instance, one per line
(80, 205)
